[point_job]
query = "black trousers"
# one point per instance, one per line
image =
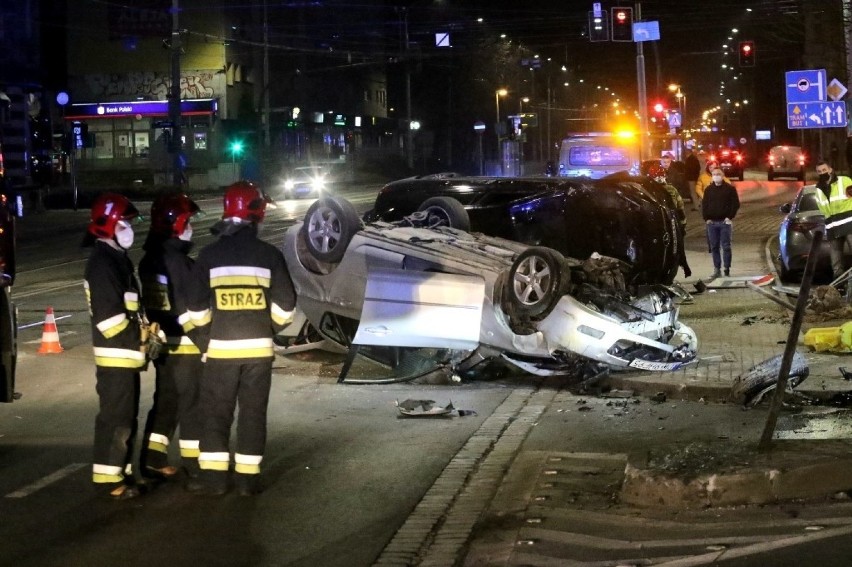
(175, 404)
(115, 424)
(224, 387)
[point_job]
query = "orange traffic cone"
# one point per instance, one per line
(50, 336)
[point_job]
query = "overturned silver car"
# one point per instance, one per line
(473, 299)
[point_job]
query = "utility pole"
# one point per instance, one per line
(176, 147)
(266, 140)
(409, 135)
(642, 95)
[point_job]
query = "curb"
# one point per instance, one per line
(792, 472)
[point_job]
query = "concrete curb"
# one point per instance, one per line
(798, 472)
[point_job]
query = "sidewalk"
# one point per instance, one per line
(737, 328)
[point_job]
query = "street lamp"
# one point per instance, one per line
(497, 94)
(521, 103)
(681, 105)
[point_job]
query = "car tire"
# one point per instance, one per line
(446, 211)
(801, 176)
(753, 386)
(537, 280)
(330, 223)
(8, 346)
(770, 176)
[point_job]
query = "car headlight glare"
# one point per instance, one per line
(289, 184)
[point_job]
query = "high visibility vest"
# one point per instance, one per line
(836, 207)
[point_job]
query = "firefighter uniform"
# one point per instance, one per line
(165, 272)
(245, 297)
(113, 297)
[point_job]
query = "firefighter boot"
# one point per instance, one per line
(247, 484)
(208, 483)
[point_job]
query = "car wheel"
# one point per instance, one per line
(445, 211)
(801, 175)
(329, 225)
(753, 386)
(8, 346)
(770, 176)
(537, 281)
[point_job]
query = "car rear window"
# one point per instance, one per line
(598, 155)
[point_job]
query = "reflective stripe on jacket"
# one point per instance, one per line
(836, 207)
(113, 298)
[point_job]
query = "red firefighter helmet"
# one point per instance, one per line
(171, 213)
(245, 201)
(107, 210)
(657, 172)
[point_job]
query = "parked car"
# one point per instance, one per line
(618, 216)
(304, 182)
(795, 235)
(8, 313)
(389, 289)
(786, 161)
(732, 162)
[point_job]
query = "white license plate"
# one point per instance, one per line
(655, 366)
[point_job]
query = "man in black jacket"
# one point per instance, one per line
(718, 208)
(693, 170)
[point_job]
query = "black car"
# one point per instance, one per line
(616, 216)
(732, 162)
(8, 323)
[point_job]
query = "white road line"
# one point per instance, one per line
(49, 479)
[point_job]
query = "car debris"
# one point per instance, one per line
(428, 408)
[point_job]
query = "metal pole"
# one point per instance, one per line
(174, 99)
(409, 135)
(481, 157)
(266, 140)
(790, 348)
(497, 128)
(642, 95)
(549, 140)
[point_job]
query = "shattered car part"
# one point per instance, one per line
(477, 296)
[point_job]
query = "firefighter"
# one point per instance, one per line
(165, 271)
(112, 293)
(245, 296)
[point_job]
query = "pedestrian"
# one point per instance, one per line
(705, 179)
(834, 202)
(112, 294)
(245, 296)
(658, 176)
(165, 272)
(675, 174)
(719, 206)
(692, 172)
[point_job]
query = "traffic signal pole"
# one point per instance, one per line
(642, 94)
(174, 100)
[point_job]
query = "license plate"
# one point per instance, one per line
(655, 366)
(726, 164)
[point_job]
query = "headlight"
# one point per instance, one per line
(289, 184)
(318, 183)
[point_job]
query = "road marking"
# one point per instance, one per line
(46, 481)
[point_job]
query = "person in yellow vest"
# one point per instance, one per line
(835, 203)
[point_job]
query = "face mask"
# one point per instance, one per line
(717, 179)
(124, 236)
(824, 177)
(186, 235)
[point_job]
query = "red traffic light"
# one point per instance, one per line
(620, 17)
(622, 24)
(659, 107)
(746, 54)
(746, 48)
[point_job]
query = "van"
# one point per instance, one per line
(786, 161)
(598, 154)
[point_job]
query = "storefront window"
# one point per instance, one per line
(141, 144)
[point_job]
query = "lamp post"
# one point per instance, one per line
(681, 106)
(497, 94)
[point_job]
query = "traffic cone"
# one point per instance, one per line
(50, 336)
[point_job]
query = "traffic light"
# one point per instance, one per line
(746, 54)
(622, 24)
(598, 27)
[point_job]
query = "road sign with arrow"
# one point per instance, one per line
(816, 115)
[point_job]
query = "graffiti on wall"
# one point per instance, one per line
(153, 86)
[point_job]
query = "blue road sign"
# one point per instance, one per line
(817, 115)
(805, 86)
(646, 31)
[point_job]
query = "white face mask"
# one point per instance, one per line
(124, 234)
(186, 235)
(717, 179)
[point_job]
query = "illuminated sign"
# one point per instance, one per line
(140, 108)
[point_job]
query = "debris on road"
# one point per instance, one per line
(830, 339)
(427, 408)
